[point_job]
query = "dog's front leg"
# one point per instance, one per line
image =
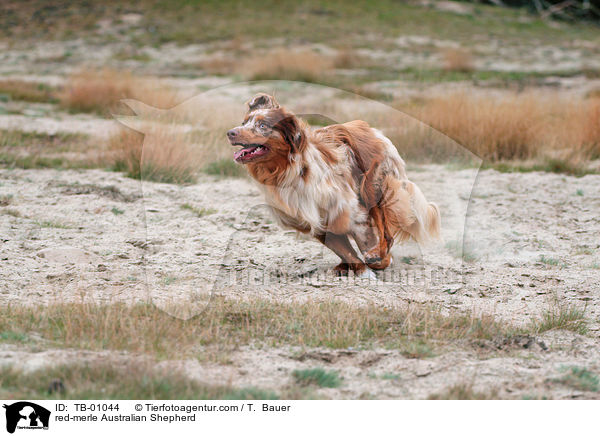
(341, 246)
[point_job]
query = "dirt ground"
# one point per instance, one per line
(98, 235)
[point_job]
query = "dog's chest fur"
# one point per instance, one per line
(313, 191)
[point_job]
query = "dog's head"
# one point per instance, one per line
(269, 134)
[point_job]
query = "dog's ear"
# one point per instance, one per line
(292, 132)
(262, 101)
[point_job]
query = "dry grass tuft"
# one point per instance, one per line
(277, 64)
(99, 91)
(219, 65)
(347, 58)
(280, 64)
(176, 144)
(162, 154)
(515, 127)
(457, 60)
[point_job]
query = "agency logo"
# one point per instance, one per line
(26, 415)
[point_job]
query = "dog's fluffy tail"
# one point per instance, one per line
(408, 214)
(433, 221)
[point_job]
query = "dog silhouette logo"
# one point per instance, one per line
(26, 415)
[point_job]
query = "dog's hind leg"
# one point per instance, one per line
(369, 240)
(379, 256)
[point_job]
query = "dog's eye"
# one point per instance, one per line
(263, 126)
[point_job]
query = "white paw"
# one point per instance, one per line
(367, 274)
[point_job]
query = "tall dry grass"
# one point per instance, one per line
(176, 144)
(163, 153)
(280, 64)
(91, 90)
(457, 59)
(143, 328)
(513, 127)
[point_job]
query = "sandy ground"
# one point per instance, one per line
(105, 237)
(134, 229)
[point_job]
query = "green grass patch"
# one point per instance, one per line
(417, 350)
(196, 21)
(60, 141)
(198, 211)
(159, 174)
(558, 166)
(579, 378)
(552, 261)
(51, 224)
(317, 376)
(390, 376)
(561, 318)
(12, 336)
(225, 168)
(35, 150)
(28, 91)
(505, 77)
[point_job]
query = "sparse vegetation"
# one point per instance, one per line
(99, 91)
(561, 317)
(115, 380)
(11, 336)
(417, 350)
(29, 150)
(146, 329)
(28, 91)
(552, 261)
(318, 376)
(391, 376)
(460, 250)
(199, 212)
(225, 168)
(52, 224)
(5, 199)
(463, 391)
(579, 378)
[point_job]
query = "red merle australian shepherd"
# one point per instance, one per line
(337, 182)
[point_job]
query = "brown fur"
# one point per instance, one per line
(334, 182)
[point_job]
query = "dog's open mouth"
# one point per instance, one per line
(249, 152)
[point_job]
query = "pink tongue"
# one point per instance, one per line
(237, 154)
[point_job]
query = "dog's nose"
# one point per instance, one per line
(232, 133)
